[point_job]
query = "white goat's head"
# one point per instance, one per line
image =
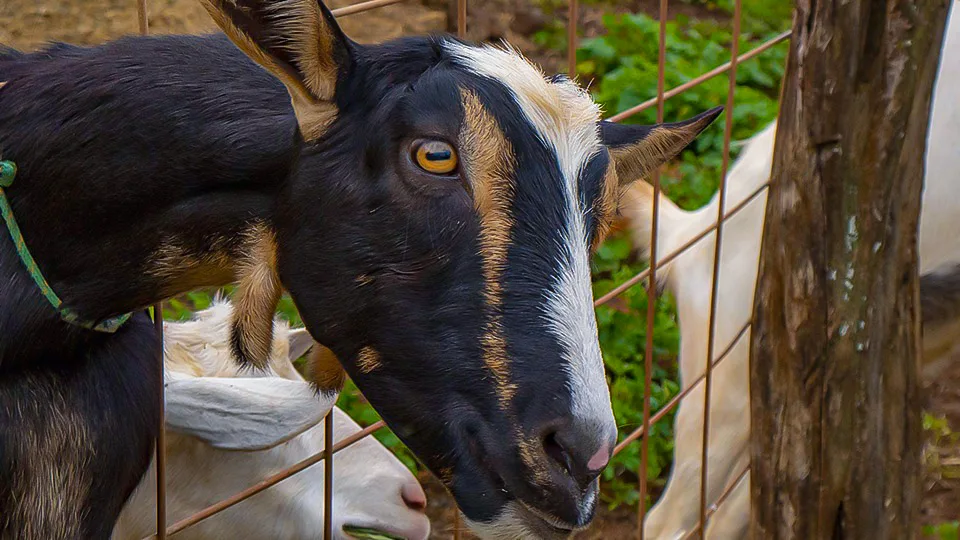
(227, 429)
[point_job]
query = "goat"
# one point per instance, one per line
(429, 204)
(223, 449)
(688, 277)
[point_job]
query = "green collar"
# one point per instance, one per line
(8, 170)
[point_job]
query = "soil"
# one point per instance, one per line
(28, 24)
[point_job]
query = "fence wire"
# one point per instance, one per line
(715, 274)
(649, 417)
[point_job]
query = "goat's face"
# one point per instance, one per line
(461, 193)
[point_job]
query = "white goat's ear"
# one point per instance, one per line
(300, 342)
(638, 150)
(244, 413)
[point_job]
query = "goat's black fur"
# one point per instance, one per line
(77, 432)
(150, 145)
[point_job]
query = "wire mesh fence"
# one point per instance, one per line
(650, 417)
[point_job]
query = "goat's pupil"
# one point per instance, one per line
(442, 155)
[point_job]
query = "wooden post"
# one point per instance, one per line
(836, 432)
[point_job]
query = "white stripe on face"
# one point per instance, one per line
(566, 120)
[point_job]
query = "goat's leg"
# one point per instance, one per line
(732, 518)
(676, 513)
(678, 510)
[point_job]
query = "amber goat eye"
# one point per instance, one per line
(436, 157)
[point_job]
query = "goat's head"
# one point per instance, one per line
(235, 430)
(461, 191)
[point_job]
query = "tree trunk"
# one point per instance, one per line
(836, 442)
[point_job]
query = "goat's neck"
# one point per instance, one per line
(102, 263)
(141, 174)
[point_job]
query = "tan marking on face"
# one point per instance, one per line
(52, 479)
(445, 474)
(532, 455)
(324, 369)
(258, 292)
(562, 113)
(489, 163)
(368, 360)
(312, 80)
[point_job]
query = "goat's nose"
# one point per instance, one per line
(413, 496)
(581, 450)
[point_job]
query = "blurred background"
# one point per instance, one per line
(617, 60)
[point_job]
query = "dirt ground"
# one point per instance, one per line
(28, 24)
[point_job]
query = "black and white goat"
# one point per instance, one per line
(430, 205)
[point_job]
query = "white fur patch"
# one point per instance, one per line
(565, 119)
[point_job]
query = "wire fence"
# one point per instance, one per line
(649, 275)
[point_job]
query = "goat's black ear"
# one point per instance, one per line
(299, 42)
(638, 150)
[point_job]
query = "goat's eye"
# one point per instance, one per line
(435, 157)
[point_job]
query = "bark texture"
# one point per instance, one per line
(836, 437)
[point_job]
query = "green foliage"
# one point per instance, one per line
(757, 15)
(623, 65)
(943, 531)
(938, 430)
(940, 446)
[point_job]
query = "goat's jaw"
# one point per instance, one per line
(519, 522)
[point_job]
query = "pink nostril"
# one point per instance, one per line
(413, 496)
(600, 459)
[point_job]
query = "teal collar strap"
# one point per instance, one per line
(8, 170)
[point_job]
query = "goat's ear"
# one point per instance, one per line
(638, 150)
(300, 342)
(246, 414)
(299, 42)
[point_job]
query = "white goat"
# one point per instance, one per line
(226, 431)
(689, 279)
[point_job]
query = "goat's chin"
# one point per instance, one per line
(516, 522)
